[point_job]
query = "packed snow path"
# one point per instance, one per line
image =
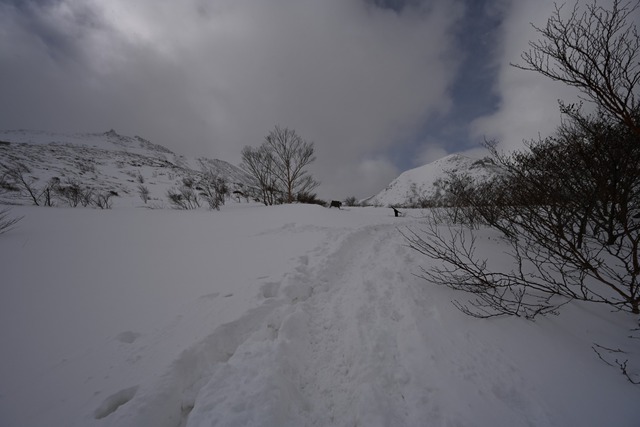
(336, 353)
(330, 346)
(324, 324)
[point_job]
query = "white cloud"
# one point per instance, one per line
(529, 101)
(430, 152)
(361, 178)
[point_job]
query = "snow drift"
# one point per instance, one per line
(276, 316)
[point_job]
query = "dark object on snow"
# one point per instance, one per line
(336, 204)
(396, 212)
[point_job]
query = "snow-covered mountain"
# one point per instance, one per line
(427, 181)
(109, 162)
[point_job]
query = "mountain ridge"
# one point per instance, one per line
(108, 161)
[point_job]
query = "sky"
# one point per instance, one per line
(379, 86)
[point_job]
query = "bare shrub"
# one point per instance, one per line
(185, 197)
(6, 185)
(311, 199)
(617, 358)
(351, 201)
(17, 175)
(7, 222)
(73, 193)
(103, 200)
(213, 189)
(144, 193)
(569, 205)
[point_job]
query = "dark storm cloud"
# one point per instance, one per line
(58, 29)
(376, 84)
(395, 5)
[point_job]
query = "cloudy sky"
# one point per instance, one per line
(380, 86)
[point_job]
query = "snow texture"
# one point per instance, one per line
(276, 316)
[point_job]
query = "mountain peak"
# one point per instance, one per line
(428, 181)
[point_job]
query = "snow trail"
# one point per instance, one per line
(334, 358)
(359, 345)
(351, 357)
(323, 349)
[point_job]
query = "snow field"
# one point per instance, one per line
(276, 316)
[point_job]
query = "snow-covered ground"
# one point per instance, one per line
(276, 316)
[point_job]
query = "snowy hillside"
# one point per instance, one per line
(108, 162)
(292, 315)
(429, 180)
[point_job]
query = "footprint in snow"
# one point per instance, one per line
(270, 289)
(113, 402)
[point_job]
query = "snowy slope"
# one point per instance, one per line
(108, 162)
(426, 181)
(277, 316)
(109, 140)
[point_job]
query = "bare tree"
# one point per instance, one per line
(598, 52)
(279, 166)
(259, 163)
(291, 156)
